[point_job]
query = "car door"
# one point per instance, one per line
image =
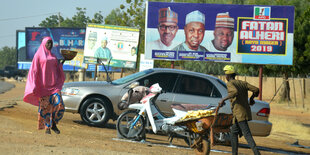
(167, 82)
(196, 90)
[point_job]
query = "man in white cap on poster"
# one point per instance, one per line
(194, 30)
(91, 40)
(103, 51)
(223, 36)
(167, 29)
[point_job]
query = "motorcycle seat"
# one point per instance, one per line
(189, 107)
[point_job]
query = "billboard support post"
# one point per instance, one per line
(260, 82)
(122, 72)
(95, 74)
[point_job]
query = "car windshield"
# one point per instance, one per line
(131, 77)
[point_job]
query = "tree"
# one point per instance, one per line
(79, 20)
(302, 43)
(52, 21)
(117, 17)
(7, 56)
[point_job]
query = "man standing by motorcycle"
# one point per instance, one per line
(238, 95)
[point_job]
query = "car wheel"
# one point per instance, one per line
(95, 112)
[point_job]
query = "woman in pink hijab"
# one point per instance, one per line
(44, 83)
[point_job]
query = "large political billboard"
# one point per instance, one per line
(113, 45)
(251, 34)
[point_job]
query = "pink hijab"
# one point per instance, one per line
(45, 76)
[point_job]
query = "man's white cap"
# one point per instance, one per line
(195, 16)
(105, 38)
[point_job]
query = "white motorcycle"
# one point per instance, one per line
(132, 123)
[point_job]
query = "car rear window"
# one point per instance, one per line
(192, 85)
(222, 83)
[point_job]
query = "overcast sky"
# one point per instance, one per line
(18, 14)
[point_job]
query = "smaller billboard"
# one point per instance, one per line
(21, 45)
(115, 45)
(63, 39)
(145, 63)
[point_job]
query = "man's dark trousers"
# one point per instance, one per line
(235, 130)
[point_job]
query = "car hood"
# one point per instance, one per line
(87, 84)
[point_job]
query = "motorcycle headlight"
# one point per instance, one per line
(70, 91)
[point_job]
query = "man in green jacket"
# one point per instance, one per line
(238, 95)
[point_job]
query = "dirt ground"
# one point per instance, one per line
(19, 135)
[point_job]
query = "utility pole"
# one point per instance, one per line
(58, 19)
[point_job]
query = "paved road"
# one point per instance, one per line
(5, 86)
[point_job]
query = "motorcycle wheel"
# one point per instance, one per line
(125, 127)
(203, 147)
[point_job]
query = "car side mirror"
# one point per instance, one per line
(134, 84)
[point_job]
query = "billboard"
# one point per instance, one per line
(21, 45)
(63, 39)
(115, 44)
(24, 64)
(218, 32)
(145, 63)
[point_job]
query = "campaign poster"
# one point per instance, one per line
(21, 45)
(145, 63)
(63, 39)
(115, 46)
(252, 34)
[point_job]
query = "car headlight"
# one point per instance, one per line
(70, 91)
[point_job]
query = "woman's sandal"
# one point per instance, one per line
(55, 129)
(48, 131)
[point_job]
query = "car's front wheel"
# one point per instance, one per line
(95, 112)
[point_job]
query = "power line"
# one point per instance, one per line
(7, 19)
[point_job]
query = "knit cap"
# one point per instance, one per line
(224, 20)
(167, 15)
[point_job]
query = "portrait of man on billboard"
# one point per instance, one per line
(223, 33)
(103, 51)
(223, 36)
(167, 29)
(133, 51)
(194, 30)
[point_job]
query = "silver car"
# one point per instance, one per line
(96, 101)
